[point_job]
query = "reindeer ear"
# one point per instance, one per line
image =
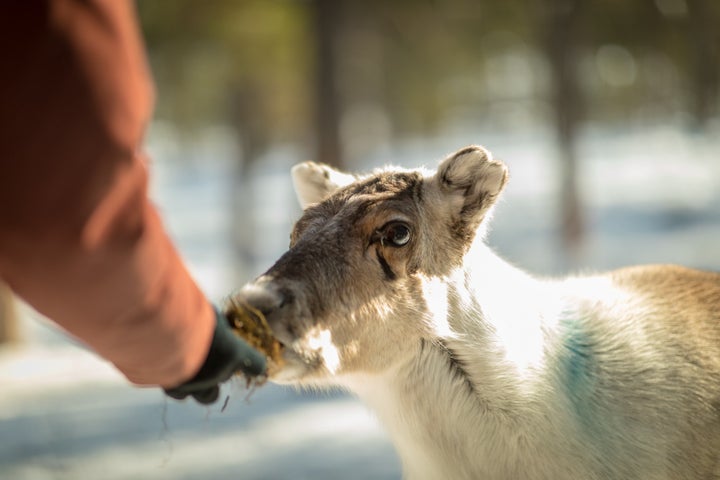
(314, 182)
(473, 180)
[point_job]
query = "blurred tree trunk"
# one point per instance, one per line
(705, 41)
(327, 15)
(249, 123)
(558, 31)
(9, 328)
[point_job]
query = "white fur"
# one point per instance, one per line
(517, 423)
(494, 374)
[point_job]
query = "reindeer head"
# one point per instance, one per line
(351, 293)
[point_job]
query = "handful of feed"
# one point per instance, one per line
(250, 325)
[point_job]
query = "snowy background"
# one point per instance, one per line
(650, 195)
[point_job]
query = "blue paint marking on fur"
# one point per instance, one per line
(578, 374)
(577, 360)
(581, 376)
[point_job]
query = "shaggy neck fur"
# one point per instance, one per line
(465, 404)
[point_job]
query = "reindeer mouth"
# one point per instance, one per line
(310, 357)
(295, 349)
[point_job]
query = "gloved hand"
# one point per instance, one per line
(228, 354)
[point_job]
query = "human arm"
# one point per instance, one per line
(79, 239)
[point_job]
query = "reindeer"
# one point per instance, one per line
(477, 369)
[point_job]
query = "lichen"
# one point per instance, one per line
(251, 325)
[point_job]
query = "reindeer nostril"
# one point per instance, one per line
(265, 310)
(287, 297)
(265, 298)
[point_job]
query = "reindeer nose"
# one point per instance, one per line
(263, 296)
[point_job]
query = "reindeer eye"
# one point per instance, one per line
(396, 233)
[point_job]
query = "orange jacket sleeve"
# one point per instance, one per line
(79, 239)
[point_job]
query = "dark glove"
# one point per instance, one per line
(228, 354)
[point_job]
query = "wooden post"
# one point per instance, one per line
(9, 328)
(326, 15)
(705, 48)
(558, 27)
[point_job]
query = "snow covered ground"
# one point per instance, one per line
(64, 414)
(651, 195)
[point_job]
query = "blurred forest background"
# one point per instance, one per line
(339, 80)
(607, 113)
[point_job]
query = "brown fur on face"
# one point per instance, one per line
(345, 229)
(344, 264)
(399, 191)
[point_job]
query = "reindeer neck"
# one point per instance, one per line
(499, 324)
(459, 397)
